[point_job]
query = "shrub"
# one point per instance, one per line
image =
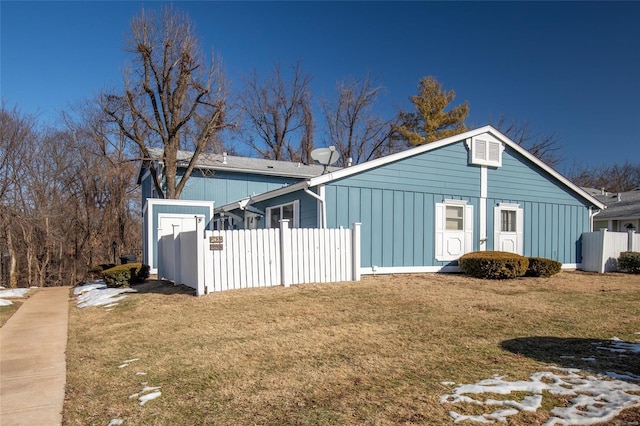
(629, 261)
(495, 265)
(541, 267)
(125, 275)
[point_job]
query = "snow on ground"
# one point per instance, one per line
(594, 399)
(146, 394)
(98, 294)
(10, 294)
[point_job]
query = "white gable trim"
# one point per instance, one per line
(359, 168)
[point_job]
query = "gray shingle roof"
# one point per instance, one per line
(234, 163)
(627, 207)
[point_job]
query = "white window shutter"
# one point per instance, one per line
(440, 226)
(520, 229)
(468, 229)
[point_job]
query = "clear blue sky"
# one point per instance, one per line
(570, 68)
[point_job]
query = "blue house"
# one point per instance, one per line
(218, 179)
(423, 208)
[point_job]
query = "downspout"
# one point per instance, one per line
(323, 211)
(592, 212)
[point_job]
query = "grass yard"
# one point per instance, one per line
(375, 352)
(8, 310)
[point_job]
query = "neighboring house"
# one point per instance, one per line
(421, 209)
(621, 213)
(218, 179)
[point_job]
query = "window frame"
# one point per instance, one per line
(294, 222)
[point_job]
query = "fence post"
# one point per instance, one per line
(603, 249)
(355, 250)
(285, 253)
(630, 233)
(200, 241)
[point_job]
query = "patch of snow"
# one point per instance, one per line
(13, 292)
(627, 376)
(5, 302)
(98, 294)
(146, 394)
(115, 422)
(594, 400)
(148, 397)
(141, 373)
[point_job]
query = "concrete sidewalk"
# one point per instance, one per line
(32, 360)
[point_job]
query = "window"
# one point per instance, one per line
(508, 221)
(485, 150)
(284, 211)
(455, 218)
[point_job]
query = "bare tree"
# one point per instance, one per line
(619, 177)
(171, 99)
(17, 136)
(277, 114)
(545, 147)
(353, 128)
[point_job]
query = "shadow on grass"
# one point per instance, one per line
(609, 357)
(163, 287)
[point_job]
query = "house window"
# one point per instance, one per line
(508, 221)
(485, 150)
(454, 229)
(455, 218)
(284, 211)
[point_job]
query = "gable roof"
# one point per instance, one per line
(232, 163)
(362, 167)
(619, 205)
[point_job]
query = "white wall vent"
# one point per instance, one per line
(485, 150)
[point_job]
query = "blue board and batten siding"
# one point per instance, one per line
(554, 217)
(396, 205)
(222, 187)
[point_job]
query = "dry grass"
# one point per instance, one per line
(7, 311)
(372, 352)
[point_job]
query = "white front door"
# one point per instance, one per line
(508, 227)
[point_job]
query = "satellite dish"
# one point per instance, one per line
(325, 156)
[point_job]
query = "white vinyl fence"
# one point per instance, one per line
(224, 260)
(601, 249)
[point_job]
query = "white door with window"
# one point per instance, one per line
(508, 228)
(454, 229)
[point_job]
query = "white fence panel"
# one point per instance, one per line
(600, 250)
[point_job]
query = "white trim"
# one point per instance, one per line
(149, 210)
(378, 270)
(482, 207)
(359, 168)
(571, 266)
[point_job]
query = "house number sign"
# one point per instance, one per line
(216, 243)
